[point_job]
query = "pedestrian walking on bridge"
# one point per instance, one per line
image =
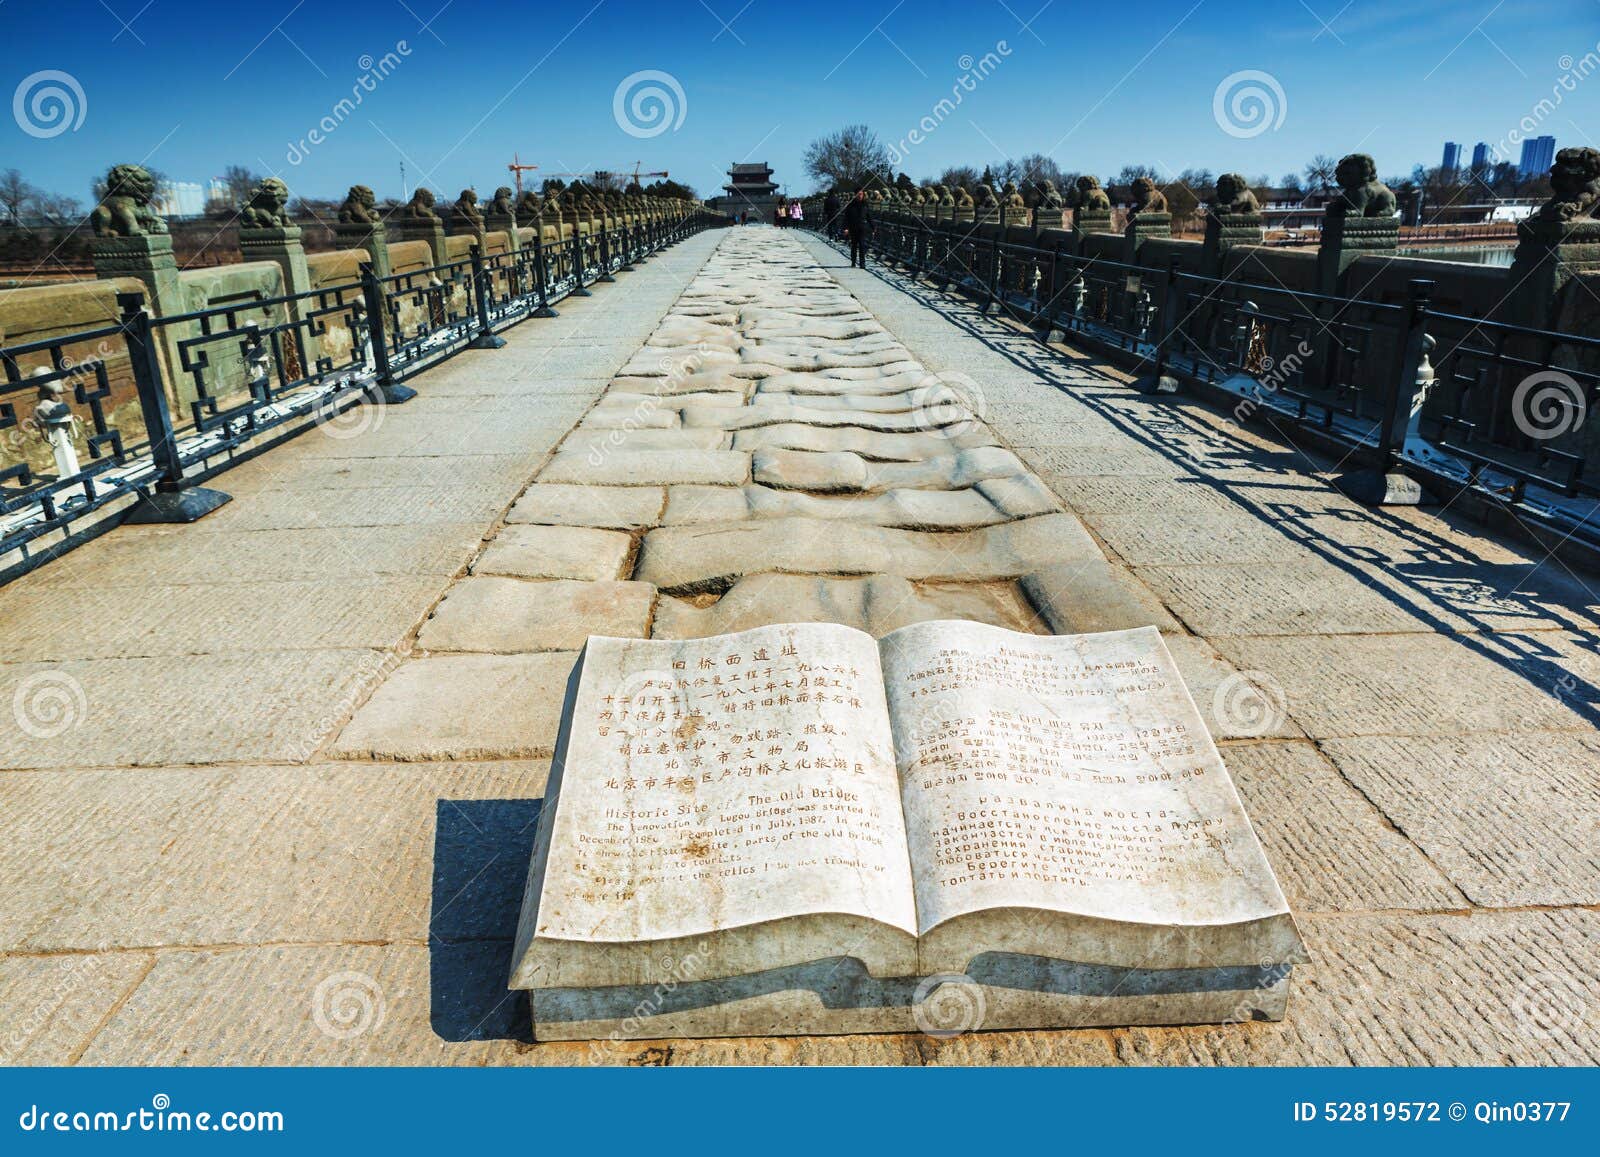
(858, 224)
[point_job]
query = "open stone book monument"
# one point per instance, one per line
(800, 829)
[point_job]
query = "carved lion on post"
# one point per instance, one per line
(1234, 196)
(963, 196)
(528, 206)
(420, 207)
(1147, 198)
(125, 209)
(501, 206)
(1088, 195)
(1047, 195)
(466, 210)
(1360, 191)
(268, 206)
(1575, 186)
(360, 207)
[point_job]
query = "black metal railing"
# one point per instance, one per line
(146, 409)
(1398, 388)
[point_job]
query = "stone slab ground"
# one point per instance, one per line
(272, 777)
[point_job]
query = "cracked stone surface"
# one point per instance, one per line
(285, 725)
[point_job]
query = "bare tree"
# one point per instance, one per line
(1038, 167)
(240, 181)
(963, 176)
(15, 194)
(847, 157)
(58, 208)
(1319, 173)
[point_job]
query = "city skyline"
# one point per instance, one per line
(325, 100)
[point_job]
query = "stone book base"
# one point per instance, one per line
(838, 996)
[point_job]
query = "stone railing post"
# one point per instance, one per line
(131, 240)
(281, 245)
(418, 222)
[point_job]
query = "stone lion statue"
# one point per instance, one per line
(1046, 195)
(943, 196)
(528, 206)
(420, 207)
(1089, 196)
(501, 206)
(1147, 198)
(1011, 196)
(963, 197)
(466, 210)
(985, 197)
(1575, 186)
(1360, 191)
(360, 206)
(1234, 196)
(268, 206)
(125, 209)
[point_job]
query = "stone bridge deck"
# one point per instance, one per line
(269, 783)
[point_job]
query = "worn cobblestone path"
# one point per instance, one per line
(271, 802)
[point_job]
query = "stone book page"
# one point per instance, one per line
(1064, 799)
(734, 798)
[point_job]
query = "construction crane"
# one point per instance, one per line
(517, 169)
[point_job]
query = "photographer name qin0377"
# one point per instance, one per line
(1430, 1112)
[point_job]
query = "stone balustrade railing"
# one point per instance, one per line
(120, 394)
(1468, 376)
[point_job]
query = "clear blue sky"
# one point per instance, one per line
(192, 87)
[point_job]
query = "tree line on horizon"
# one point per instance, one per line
(854, 157)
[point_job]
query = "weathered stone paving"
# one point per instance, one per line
(304, 730)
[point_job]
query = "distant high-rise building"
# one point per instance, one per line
(1452, 157)
(1480, 156)
(1538, 154)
